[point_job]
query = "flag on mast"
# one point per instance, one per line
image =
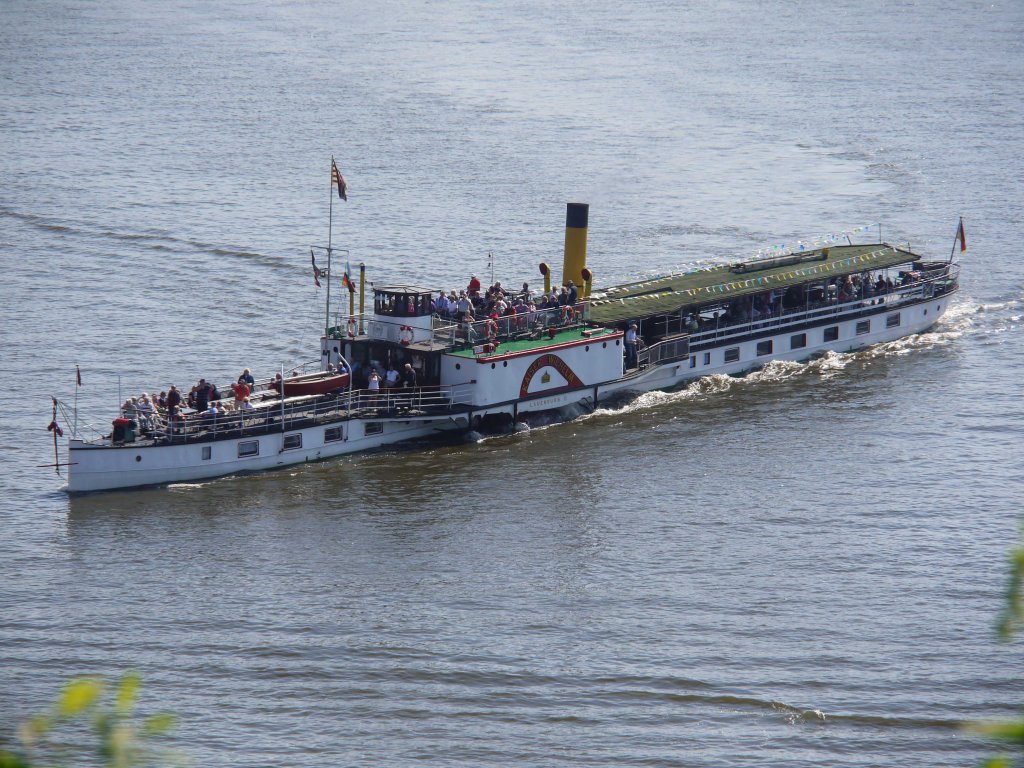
(346, 279)
(960, 235)
(78, 376)
(338, 181)
(316, 269)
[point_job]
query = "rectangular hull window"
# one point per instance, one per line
(373, 428)
(832, 334)
(249, 448)
(207, 452)
(798, 341)
(732, 354)
(333, 435)
(893, 321)
(864, 326)
(764, 348)
(707, 358)
(293, 441)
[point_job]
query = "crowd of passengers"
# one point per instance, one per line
(204, 401)
(474, 304)
(798, 298)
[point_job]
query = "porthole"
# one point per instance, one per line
(138, 458)
(586, 348)
(458, 366)
(494, 365)
(616, 342)
(604, 344)
(504, 364)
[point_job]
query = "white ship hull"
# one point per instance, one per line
(101, 466)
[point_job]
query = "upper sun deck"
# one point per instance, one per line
(675, 292)
(524, 343)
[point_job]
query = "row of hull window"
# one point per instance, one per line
(797, 341)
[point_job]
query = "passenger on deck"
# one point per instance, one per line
(631, 340)
(161, 401)
(373, 384)
(474, 286)
(241, 391)
(572, 294)
(212, 412)
(247, 379)
(144, 410)
(524, 293)
(173, 398)
(441, 305)
(202, 397)
(409, 376)
(247, 406)
(391, 377)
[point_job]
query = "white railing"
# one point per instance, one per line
(509, 327)
(275, 415)
(829, 308)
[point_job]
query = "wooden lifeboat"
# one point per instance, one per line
(312, 384)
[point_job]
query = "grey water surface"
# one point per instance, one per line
(798, 568)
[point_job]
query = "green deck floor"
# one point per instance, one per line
(524, 345)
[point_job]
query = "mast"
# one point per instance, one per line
(330, 229)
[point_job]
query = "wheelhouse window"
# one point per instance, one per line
(832, 333)
(864, 326)
(293, 441)
(798, 341)
(764, 348)
(402, 301)
(732, 354)
(248, 448)
(892, 321)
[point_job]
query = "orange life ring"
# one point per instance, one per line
(568, 314)
(491, 329)
(405, 335)
(351, 327)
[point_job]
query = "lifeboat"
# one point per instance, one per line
(312, 384)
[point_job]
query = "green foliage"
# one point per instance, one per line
(1012, 616)
(1011, 620)
(121, 741)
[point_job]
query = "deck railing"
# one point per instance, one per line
(936, 283)
(508, 327)
(273, 415)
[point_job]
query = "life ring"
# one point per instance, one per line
(351, 327)
(568, 314)
(491, 329)
(405, 335)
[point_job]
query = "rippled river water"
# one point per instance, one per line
(798, 568)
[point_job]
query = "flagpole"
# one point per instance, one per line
(330, 228)
(78, 383)
(959, 229)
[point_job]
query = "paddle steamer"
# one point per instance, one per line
(727, 319)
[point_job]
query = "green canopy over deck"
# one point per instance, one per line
(671, 294)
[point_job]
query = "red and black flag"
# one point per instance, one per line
(960, 236)
(78, 376)
(337, 180)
